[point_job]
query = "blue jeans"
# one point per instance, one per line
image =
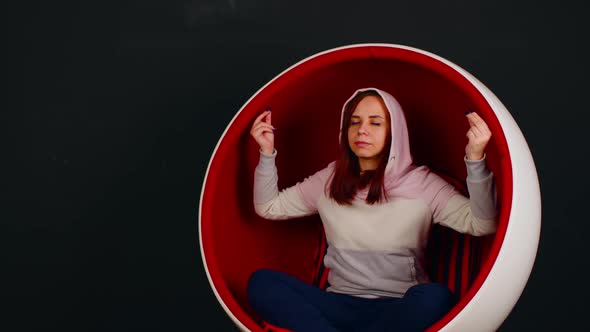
(285, 301)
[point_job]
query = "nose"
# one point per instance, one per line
(362, 128)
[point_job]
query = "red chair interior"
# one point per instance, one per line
(306, 103)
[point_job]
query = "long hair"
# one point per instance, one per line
(346, 178)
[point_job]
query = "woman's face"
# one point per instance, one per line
(368, 129)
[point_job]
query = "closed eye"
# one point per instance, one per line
(356, 122)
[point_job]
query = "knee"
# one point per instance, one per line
(262, 278)
(433, 298)
(441, 296)
(261, 286)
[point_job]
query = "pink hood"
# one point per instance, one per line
(402, 178)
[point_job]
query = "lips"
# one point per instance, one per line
(361, 144)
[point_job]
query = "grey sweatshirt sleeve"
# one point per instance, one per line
(482, 189)
(476, 215)
(268, 201)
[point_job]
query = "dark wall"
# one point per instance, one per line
(125, 102)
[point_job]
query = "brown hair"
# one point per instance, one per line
(346, 178)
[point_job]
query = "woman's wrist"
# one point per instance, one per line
(267, 150)
(475, 156)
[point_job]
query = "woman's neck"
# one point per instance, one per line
(368, 164)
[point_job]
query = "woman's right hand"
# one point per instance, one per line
(262, 131)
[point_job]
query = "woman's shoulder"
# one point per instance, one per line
(422, 171)
(426, 181)
(323, 174)
(312, 187)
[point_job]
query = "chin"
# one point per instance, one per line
(365, 155)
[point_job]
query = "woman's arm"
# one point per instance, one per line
(476, 215)
(268, 201)
(296, 201)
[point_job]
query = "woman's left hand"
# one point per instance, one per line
(479, 135)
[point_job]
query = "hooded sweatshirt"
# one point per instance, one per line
(378, 250)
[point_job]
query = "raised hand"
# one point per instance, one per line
(478, 134)
(263, 132)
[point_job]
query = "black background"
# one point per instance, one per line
(125, 102)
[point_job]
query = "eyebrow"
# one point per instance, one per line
(370, 116)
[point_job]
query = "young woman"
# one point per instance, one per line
(377, 209)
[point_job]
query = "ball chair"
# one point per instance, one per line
(486, 274)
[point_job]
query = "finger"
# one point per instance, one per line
(263, 124)
(478, 121)
(476, 117)
(475, 121)
(262, 129)
(268, 118)
(473, 127)
(481, 128)
(481, 124)
(259, 118)
(264, 132)
(256, 129)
